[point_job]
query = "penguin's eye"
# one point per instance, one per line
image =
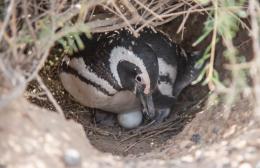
(139, 79)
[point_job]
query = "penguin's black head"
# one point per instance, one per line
(136, 70)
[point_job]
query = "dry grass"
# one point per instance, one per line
(29, 29)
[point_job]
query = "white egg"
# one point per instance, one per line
(130, 120)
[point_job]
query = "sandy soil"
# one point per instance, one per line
(199, 132)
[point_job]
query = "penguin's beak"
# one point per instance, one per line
(147, 103)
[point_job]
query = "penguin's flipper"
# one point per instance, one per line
(188, 71)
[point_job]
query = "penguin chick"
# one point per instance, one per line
(176, 70)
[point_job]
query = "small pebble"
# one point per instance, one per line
(240, 144)
(215, 130)
(90, 133)
(72, 157)
(196, 138)
(199, 155)
(187, 158)
(78, 6)
(224, 162)
(245, 165)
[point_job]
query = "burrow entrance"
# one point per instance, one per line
(110, 137)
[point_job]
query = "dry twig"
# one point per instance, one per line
(49, 95)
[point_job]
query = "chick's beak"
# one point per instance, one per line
(147, 103)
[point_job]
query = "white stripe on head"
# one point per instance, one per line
(165, 69)
(80, 66)
(119, 54)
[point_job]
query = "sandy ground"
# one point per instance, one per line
(32, 139)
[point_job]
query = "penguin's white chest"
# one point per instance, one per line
(90, 96)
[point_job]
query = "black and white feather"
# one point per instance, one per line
(108, 72)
